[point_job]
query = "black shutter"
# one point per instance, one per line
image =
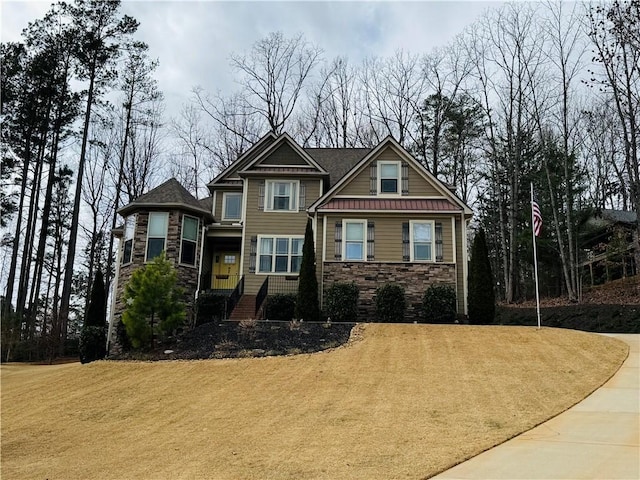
(302, 196)
(252, 254)
(261, 195)
(370, 240)
(338, 241)
(373, 179)
(405, 242)
(405, 178)
(439, 256)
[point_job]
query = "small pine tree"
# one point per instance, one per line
(307, 305)
(481, 297)
(153, 301)
(93, 337)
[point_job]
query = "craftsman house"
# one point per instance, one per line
(378, 216)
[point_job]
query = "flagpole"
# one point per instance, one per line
(535, 259)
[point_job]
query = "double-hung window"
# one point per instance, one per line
(422, 241)
(282, 195)
(156, 234)
(389, 177)
(189, 240)
(355, 239)
(129, 229)
(232, 206)
(280, 254)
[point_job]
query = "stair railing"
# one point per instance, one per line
(235, 296)
(262, 294)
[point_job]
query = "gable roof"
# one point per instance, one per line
(169, 194)
(282, 140)
(391, 142)
(337, 161)
(245, 157)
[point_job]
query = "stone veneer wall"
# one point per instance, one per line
(414, 277)
(187, 275)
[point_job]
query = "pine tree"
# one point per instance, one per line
(93, 338)
(307, 306)
(153, 301)
(481, 298)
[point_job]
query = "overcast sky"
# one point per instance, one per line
(193, 40)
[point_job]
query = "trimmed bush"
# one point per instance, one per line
(439, 304)
(211, 307)
(342, 302)
(281, 307)
(390, 303)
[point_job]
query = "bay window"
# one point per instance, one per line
(189, 240)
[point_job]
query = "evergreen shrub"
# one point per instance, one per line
(481, 297)
(211, 307)
(342, 302)
(439, 304)
(307, 306)
(280, 307)
(390, 303)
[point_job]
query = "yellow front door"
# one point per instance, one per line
(226, 266)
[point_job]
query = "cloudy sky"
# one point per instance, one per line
(193, 39)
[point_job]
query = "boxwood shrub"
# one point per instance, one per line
(390, 303)
(341, 302)
(439, 304)
(280, 307)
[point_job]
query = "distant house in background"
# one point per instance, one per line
(378, 216)
(609, 246)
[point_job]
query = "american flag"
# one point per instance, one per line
(537, 218)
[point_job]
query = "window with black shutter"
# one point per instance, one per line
(406, 246)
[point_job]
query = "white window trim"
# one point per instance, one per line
(344, 240)
(125, 239)
(411, 243)
(182, 239)
(269, 196)
(398, 165)
(273, 254)
(226, 195)
(146, 247)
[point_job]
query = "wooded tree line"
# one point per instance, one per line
(542, 93)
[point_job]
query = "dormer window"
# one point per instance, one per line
(282, 195)
(389, 178)
(156, 234)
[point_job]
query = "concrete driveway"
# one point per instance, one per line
(599, 438)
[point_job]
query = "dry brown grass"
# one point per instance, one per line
(406, 401)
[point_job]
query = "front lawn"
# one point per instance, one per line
(403, 401)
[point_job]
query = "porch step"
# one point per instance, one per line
(246, 308)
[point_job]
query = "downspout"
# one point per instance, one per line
(205, 228)
(465, 263)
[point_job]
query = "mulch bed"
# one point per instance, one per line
(589, 318)
(231, 339)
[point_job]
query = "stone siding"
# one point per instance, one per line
(415, 278)
(187, 275)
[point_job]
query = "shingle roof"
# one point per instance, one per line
(619, 216)
(410, 204)
(170, 193)
(337, 161)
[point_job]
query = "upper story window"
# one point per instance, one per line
(355, 239)
(388, 177)
(421, 241)
(280, 254)
(189, 240)
(129, 230)
(282, 195)
(231, 206)
(156, 234)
